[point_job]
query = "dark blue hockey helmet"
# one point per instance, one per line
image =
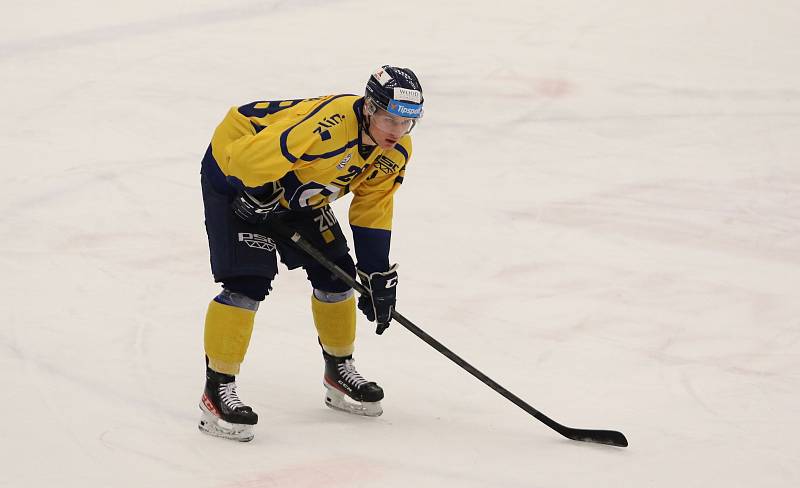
(395, 90)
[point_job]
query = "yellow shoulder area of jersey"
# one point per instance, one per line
(334, 111)
(329, 129)
(310, 104)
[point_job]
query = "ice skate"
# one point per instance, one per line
(224, 415)
(347, 390)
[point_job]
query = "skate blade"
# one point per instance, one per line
(212, 425)
(337, 400)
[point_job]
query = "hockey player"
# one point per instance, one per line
(288, 160)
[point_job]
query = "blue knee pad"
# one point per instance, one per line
(254, 287)
(227, 297)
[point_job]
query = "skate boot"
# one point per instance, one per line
(224, 415)
(347, 390)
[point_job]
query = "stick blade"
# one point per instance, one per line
(607, 437)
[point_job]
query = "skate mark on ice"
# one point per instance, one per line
(330, 473)
(150, 27)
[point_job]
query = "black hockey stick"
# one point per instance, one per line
(609, 437)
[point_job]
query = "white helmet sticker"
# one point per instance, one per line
(382, 76)
(407, 95)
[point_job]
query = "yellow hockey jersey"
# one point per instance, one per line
(312, 148)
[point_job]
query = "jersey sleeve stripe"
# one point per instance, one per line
(312, 157)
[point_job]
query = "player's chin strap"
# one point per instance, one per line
(610, 437)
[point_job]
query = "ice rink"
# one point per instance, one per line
(602, 213)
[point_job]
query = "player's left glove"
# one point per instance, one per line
(379, 304)
(256, 210)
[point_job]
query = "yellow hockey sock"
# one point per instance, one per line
(336, 325)
(227, 335)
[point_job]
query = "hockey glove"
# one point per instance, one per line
(255, 211)
(379, 304)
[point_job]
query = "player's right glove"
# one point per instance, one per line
(379, 304)
(256, 210)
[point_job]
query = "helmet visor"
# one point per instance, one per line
(391, 123)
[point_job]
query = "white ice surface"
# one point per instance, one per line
(602, 213)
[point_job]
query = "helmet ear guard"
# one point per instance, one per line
(370, 106)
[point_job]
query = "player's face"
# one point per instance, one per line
(387, 129)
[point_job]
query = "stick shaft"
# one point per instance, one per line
(599, 436)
